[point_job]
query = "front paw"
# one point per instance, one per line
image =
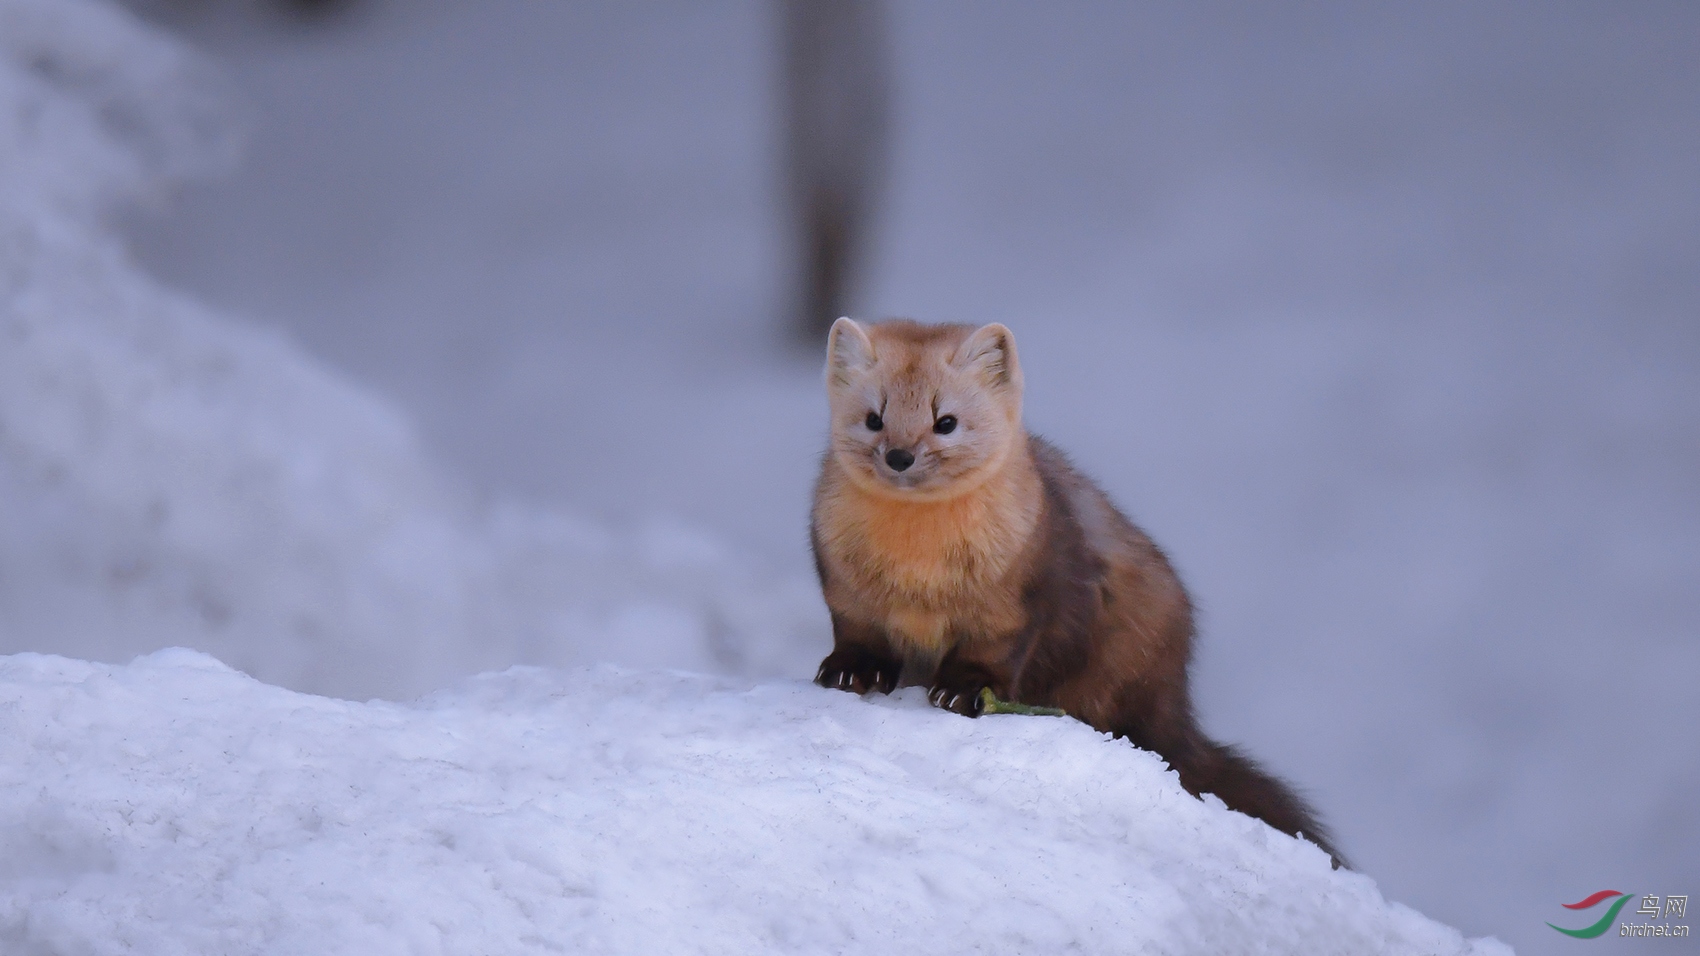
(959, 693)
(859, 671)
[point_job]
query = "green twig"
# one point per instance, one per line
(990, 704)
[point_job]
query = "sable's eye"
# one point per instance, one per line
(945, 425)
(874, 422)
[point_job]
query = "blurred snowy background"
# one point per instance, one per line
(1385, 324)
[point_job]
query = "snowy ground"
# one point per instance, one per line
(1384, 327)
(169, 476)
(174, 806)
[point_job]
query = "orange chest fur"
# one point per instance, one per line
(924, 569)
(926, 550)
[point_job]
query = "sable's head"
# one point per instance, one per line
(922, 411)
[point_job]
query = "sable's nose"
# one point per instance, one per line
(899, 459)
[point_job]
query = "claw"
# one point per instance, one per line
(855, 670)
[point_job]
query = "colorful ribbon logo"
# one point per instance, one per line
(1605, 922)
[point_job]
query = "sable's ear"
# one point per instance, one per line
(848, 350)
(990, 352)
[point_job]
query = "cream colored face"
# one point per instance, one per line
(922, 412)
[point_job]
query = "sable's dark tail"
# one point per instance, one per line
(1248, 788)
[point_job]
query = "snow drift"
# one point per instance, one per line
(174, 806)
(169, 476)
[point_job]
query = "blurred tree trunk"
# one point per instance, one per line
(836, 66)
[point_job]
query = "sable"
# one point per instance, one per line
(958, 552)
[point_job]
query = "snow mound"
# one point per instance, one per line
(169, 476)
(174, 806)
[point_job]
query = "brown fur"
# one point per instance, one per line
(991, 562)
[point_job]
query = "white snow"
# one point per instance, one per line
(169, 476)
(174, 806)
